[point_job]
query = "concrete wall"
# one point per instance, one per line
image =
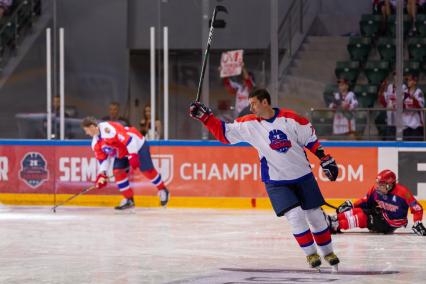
(96, 52)
(339, 17)
(99, 35)
(96, 63)
(248, 23)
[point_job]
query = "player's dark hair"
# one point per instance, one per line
(260, 94)
(89, 121)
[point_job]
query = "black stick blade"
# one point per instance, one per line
(221, 8)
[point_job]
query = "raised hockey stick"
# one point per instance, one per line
(218, 8)
(72, 197)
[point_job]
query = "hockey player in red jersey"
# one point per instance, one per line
(121, 147)
(383, 209)
(280, 136)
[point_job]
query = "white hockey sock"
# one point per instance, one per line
(320, 230)
(300, 228)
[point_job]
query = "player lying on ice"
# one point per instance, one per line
(382, 210)
(121, 147)
(280, 136)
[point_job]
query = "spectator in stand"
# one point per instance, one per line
(241, 91)
(412, 119)
(412, 6)
(384, 8)
(343, 103)
(245, 111)
(145, 125)
(388, 7)
(387, 98)
(69, 112)
(114, 115)
(5, 7)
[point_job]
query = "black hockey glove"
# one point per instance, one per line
(345, 206)
(329, 167)
(199, 111)
(419, 229)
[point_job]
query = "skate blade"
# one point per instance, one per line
(128, 211)
(334, 268)
(165, 205)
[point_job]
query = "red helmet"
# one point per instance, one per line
(386, 178)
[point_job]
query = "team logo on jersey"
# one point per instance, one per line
(34, 169)
(279, 141)
(109, 150)
(164, 165)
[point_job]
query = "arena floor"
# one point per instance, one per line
(99, 245)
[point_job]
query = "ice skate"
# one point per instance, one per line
(333, 260)
(164, 196)
(126, 203)
(314, 260)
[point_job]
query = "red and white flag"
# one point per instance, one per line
(231, 63)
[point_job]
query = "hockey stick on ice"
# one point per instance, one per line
(218, 8)
(329, 205)
(72, 197)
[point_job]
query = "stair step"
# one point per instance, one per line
(307, 55)
(311, 70)
(327, 40)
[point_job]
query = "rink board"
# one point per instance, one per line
(198, 173)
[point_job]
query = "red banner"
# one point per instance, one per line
(205, 171)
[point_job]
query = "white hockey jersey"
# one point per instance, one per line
(413, 100)
(280, 143)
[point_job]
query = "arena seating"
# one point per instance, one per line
(348, 70)
(370, 25)
(359, 48)
(372, 54)
(386, 48)
(366, 95)
(14, 25)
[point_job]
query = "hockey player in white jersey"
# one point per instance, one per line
(280, 136)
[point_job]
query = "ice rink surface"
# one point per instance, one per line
(100, 245)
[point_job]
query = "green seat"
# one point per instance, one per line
(322, 121)
(386, 48)
(361, 119)
(392, 28)
(328, 93)
(380, 119)
(359, 48)
(366, 95)
(348, 70)
(421, 24)
(412, 67)
(370, 25)
(417, 48)
(376, 71)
